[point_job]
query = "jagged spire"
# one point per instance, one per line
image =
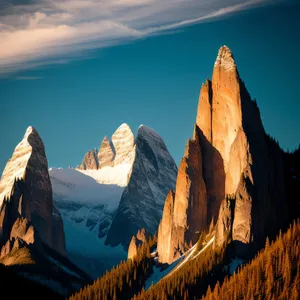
(225, 59)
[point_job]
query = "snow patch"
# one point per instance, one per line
(117, 175)
(81, 242)
(159, 273)
(71, 185)
(235, 263)
(16, 166)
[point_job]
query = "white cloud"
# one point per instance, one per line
(37, 33)
(28, 78)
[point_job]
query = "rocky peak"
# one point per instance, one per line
(190, 205)
(123, 141)
(132, 249)
(153, 175)
(25, 185)
(142, 235)
(227, 170)
(16, 166)
(106, 153)
(137, 240)
(90, 160)
(225, 59)
(121, 149)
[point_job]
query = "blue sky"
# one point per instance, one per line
(141, 66)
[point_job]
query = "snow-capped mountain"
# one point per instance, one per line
(153, 174)
(114, 192)
(32, 240)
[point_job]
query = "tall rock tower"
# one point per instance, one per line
(235, 166)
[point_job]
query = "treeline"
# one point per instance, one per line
(273, 274)
(122, 281)
(190, 280)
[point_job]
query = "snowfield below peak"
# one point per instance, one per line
(75, 186)
(117, 175)
(87, 209)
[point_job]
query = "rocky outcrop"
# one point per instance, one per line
(189, 216)
(153, 174)
(26, 204)
(106, 153)
(132, 249)
(237, 140)
(165, 229)
(112, 164)
(118, 199)
(225, 221)
(123, 141)
(120, 150)
(143, 235)
(90, 161)
(137, 240)
(238, 162)
(24, 230)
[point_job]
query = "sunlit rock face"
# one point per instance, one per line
(90, 161)
(132, 249)
(106, 153)
(185, 213)
(108, 205)
(137, 240)
(26, 194)
(165, 229)
(240, 166)
(123, 141)
(113, 163)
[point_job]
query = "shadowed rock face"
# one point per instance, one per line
(153, 174)
(26, 195)
(240, 171)
(185, 213)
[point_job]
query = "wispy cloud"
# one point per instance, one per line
(42, 30)
(28, 78)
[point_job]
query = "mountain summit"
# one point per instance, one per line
(231, 172)
(26, 192)
(32, 239)
(115, 192)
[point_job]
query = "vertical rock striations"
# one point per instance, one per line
(90, 161)
(123, 141)
(242, 169)
(106, 153)
(186, 211)
(165, 229)
(26, 195)
(153, 175)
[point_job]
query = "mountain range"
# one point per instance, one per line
(184, 231)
